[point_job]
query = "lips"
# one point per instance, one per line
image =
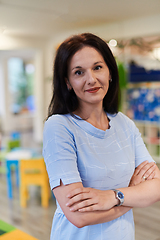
(93, 90)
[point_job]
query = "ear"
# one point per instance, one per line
(110, 77)
(68, 84)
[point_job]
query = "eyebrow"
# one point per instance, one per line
(78, 67)
(98, 62)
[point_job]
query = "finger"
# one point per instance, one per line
(147, 170)
(86, 204)
(89, 208)
(135, 180)
(77, 198)
(138, 169)
(150, 171)
(95, 207)
(77, 191)
(151, 176)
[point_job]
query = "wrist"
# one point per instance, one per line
(119, 197)
(114, 199)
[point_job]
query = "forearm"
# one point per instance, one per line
(81, 219)
(90, 200)
(96, 217)
(143, 194)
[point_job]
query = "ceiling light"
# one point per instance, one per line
(113, 43)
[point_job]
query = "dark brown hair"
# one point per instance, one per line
(64, 101)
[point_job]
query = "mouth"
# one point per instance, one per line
(92, 90)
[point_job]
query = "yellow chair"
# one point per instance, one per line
(33, 172)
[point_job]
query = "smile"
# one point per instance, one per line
(92, 90)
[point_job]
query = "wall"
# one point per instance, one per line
(45, 49)
(26, 49)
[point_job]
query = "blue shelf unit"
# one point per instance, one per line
(139, 74)
(144, 103)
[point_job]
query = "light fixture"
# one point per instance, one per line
(113, 43)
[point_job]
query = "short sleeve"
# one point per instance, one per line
(59, 152)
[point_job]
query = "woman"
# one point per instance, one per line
(98, 165)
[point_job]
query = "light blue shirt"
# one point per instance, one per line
(76, 151)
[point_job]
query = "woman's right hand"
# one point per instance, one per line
(145, 171)
(90, 199)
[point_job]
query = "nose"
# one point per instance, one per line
(91, 79)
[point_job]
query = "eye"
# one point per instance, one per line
(98, 67)
(78, 72)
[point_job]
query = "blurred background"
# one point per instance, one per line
(30, 32)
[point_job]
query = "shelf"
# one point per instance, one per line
(150, 132)
(147, 123)
(152, 85)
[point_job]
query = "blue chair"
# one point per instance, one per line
(9, 164)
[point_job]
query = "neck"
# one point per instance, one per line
(95, 116)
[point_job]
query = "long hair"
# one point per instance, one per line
(65, 101)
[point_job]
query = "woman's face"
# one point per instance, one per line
(89, 76)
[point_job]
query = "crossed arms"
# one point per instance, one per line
(87, 206)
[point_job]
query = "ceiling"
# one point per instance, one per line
(48, 17)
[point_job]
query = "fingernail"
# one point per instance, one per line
(67, 204)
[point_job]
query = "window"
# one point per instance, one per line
(21, 85)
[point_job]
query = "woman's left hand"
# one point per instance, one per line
(145, 171)
(90, 199)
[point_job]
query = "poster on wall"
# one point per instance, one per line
(144, 104)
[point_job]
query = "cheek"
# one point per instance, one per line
(104, 77)
(78, 85)
(106, 81)
(106, 86)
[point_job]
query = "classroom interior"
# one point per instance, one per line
(30, 32)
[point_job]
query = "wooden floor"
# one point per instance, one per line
(37, 221)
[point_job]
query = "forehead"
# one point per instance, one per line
(86, 54)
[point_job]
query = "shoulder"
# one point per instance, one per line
(121, 117)
(122, 121)
(58, 125)
(57, 120)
